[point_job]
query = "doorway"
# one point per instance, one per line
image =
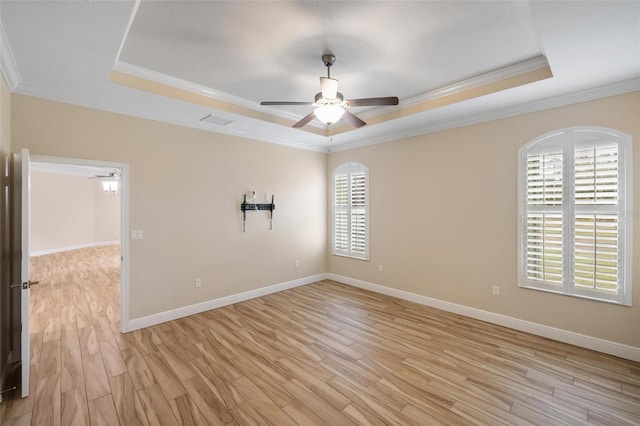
(100, 216)
(76, 312)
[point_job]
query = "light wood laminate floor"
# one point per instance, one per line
(325, 353)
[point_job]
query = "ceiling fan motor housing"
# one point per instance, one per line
(328, 59)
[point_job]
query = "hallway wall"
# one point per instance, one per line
(70, 212)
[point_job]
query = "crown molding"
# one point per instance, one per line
(620, 88)
(537, 63)
(8, 62)
(615, 89)
(198, 89)
(502, 74)
(120, 108)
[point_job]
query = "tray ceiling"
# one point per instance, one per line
(450, 63)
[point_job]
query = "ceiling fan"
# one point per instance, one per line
(113, 175)
(109, 181)
(330, 104)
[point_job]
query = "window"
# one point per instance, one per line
(575, 214)
(351, 211)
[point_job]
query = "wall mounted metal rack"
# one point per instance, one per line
(248, 206)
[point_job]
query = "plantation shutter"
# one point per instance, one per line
(596, 221)
(350, 210)
(575, 234)
(358, 213)
(341, 214)
(544, 234)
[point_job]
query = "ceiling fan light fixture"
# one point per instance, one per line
(329, 114)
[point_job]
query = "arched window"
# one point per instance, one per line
(351, 210)
(574, 203)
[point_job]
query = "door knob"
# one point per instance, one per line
(24, 285)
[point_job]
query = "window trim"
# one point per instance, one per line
(566, 138)
(349, 168)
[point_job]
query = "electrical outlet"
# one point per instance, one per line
(495, 290)
(297, 263)
(198, 283)
(380, 268)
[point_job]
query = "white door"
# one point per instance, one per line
(24, 268)
(21, 179)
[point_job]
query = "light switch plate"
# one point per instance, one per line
(137, 235)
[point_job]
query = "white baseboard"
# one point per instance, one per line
(138, 323)
(74, 247)
(589, 342)
(594, 343)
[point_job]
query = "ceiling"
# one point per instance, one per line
(451, 63)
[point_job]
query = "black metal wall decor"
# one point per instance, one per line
(247, 206)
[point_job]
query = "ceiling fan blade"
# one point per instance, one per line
(287, 103)
(304, 121)
(390, 100)
(352, 119)
(329, 87)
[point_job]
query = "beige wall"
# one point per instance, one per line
(186, 186)
(69, 211)
(444, 218)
